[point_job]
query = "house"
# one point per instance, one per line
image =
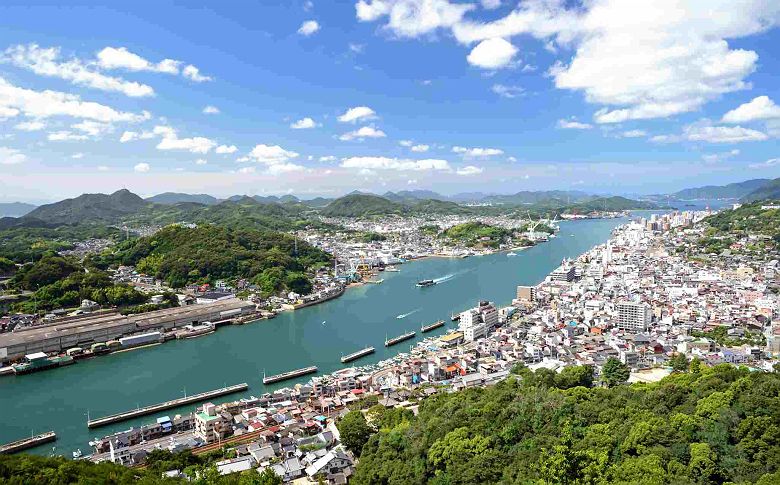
(334, 462)
(289, 469)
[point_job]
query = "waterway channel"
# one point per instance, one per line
(60, 399)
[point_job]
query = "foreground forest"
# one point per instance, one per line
(704, 426)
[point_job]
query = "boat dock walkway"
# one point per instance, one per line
(26, 443)
(114, 418)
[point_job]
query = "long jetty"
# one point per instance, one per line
(115, 418)
(26, 443)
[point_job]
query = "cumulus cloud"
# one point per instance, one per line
(33, 125)
(492, 54)
(358, 113)
(303, 124)
(44, 104)
(171, 141)
(704, 131)
(47, 62)
(469, 170)
(477, 152)
(193, 74)
(11, 156)
(633, 134)
(573, 125)
(507, 91)
(65, 135)
(363, 133)
(719, 157)
(386, 163)
(760, 108)
(226, 149)
(412, 18)
(309, 27)
(201, 161)
(211, 110)
(121, 58)
(142, 167)
(419, 148)
(271, 154)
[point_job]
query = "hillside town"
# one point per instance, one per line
(644, 297)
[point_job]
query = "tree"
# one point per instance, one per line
(614, 372)
(354, 431)
(266, 477)
(679, 362)
(703, 464)
(575, 376)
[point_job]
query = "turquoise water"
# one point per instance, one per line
(60, 399)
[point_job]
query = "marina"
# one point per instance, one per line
(115, 418)
(357, 355)
(26, 443)
(364, 315)
(432, 326)
(289, 374)
(399, 339)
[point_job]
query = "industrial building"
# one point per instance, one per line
(81, 332)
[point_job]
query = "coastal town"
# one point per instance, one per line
(647, 296)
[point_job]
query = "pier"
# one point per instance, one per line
(26, 443)
(289, 375)
(399, 339)
(433, 326)
(357, 355)
(115, 418)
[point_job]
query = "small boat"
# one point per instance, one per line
(376, 282)
(77, 454)
(425, 283)
(511, 254)
(392, 269)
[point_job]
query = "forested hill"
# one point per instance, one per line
(705, 426)
(611, 204)
(89, 208)
(768, 191)
(729, 191)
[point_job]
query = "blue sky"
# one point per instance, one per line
(321, 98)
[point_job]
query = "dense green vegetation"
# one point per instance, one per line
(770, 190)
(477, 234)
(728, 191)
(720, 335)
(704, 426)
(609, 204)
(23, 241)
(181, 255)
(362, 205)
(749, 219)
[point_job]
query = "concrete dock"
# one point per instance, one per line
(26, 443)
(115, 418)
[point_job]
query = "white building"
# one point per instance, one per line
(476, 322)
(633, 317)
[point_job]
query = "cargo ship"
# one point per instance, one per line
(400, 338)
(434, 325)
(357, 355)
(289, 374)
(196, 330)
(40, 361)
(425, 283)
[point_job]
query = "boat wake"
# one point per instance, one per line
(404, 315)
(444, 278)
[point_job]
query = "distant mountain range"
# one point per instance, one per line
(88, 208)
(15, 209)
(768, 191)
(736, 190)
(171, 198)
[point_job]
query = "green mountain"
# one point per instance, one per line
(611, 204)
(412, 195)
(90, 208)
(730, 191)
(15, 209)
(170, 198)
(768, 191)
(361, 205)
(528, 197)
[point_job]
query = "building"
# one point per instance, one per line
(566, 273)
(526, 293)
(633, 317)
(476, 322)
(211, 426)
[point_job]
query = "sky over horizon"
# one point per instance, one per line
(322, 98)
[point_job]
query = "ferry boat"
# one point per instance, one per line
(196, 330)
(400, 338)
(433, 326)
(357, 355)
(289, 374)
(425, 283)
(40, 361)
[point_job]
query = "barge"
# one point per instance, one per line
(400, 338)
(289, 374)
(357, 355)
(433, 326)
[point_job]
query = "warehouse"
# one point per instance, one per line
(59, 336)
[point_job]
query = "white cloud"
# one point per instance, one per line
(357, 113)
(420, 148)
(171, 141)
(385, 163)
(193, 74)
(760, 108)
(226, 149)
(357, 48)
(46, 62)
(507, 91)
(271, 154)
(11, 156)
(469, 170)
(142, 167)
(719, 157)
(490, 4)
(633, 134)
(201, 161)
(412, 18)
(328, 158)
(77, 156)
(722, 134)
(477, 152)
(303, 124)
(362, 133)
(45, 104)
(33, 125)
(309, 27)
(492, 54)
(281, 168)
(211, 110)
(128, 136)
(121, 58)
(406, 143)
(94, 128)
(247, 170)
(65, 135)
(573, 125)
(772, 162)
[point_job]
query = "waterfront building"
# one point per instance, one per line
(566, 272)
(476, 322)
(211, 425)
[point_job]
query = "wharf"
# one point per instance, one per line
(357, 355)
(114, 418)
(289, 375)
(399, 339)
(26, 443)
(433, 326)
